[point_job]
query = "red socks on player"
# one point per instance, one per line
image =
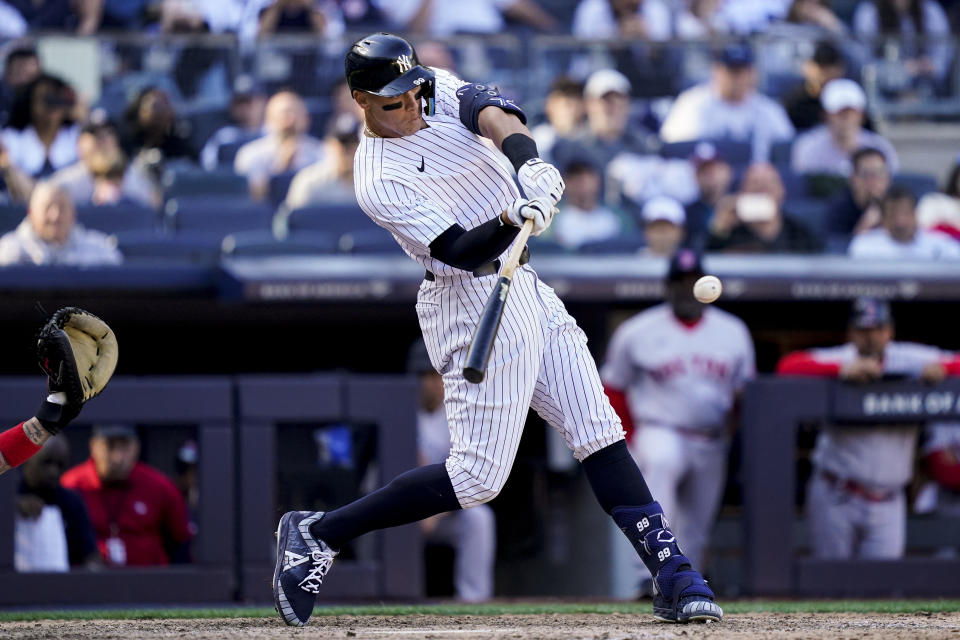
(15, 447)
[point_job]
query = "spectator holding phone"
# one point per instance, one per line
(752, 221)
(41, 135)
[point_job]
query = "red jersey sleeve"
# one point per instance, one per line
(952, 365)
(802, 363)
(618, 400)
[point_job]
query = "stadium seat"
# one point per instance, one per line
(794, 184)
(118, 217)
(246, 244)
(919, 183)
(216, 213)
(10, 216)
(279, 185)
(191, 181)
(227, 152)
(545, 246)
(204, 123)
(810, 212)
(624, 243)
(193, 248)
(372, 241)
(736, 153)
(336, 219)
(781, 153)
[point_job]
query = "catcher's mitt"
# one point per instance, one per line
(78, 352)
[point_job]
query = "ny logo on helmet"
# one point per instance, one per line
(404, 63)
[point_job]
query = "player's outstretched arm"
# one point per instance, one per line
(17, 445)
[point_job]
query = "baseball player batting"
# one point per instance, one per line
(423, 173)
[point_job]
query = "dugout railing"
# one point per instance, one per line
(773, 409)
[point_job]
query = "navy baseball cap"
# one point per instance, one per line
(685, 262)
(870, 313)
(737, 55)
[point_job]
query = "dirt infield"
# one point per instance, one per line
(514, 627)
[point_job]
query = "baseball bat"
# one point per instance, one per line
(481, 345)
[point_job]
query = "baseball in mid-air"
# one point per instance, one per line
(707, 289)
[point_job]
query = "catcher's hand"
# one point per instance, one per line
(78, 352)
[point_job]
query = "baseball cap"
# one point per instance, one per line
(705, 153)
(418, 360)
(605, 81)
(737, 55)
(869, 313)
(114, 430)
(827, 54)
(685, 262)
(663, 208)
(842, 94)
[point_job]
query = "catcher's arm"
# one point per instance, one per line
(25, 439)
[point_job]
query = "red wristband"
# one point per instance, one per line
(15, 447)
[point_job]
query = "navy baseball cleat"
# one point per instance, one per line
(680, 594)
(302, 562)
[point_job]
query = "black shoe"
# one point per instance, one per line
(691, 600)
(302, 562)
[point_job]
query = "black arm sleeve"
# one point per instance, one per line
(468, 250)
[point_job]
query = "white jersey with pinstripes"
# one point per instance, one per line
(540, 358)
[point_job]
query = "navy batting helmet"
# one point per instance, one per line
(386, 65)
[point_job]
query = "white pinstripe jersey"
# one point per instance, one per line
(882, 456)
(462, 181)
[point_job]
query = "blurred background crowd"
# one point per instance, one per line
(188, 131)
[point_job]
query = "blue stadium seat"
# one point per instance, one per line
(193, 248)
(624, 243)
(370, 241)
(245, 244)
(10, 216)
(919, 183)
(794, 184)
(545, 246)
(736, 153)
(336, 219)
(217, 213)
(781, 153)
(204, 123)
(118, 217)
(191, 181)
(279, 185)
(810, 212)
(227, 152)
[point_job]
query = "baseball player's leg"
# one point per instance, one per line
(660, 454)
(831, 520)
(885, 529)
(700, 495)
(570, 396)
(472, 533)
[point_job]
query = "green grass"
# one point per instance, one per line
(730, 607)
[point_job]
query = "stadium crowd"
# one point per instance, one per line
(212, 158)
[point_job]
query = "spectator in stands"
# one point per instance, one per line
(607, 102)
(810, 18)
(746, 17)
(941, 211)
(583, 218)
(473, 535)
(663, 226)
(828, 148)
(857, 208)
(79, 16)
(17, 184)
(440, 18)
(138, 514)
(52, 530)
(714, 179)
(329, 181)
(300, 16)
(285, 147)
(98, 148)
(728, 107)
(700, 20)
(41, 134)
(50, 234)
(565, 114)
(753, 220)
(900, 236)
(630, 19)
(21, 67)
(154, 136)
(910, 21)
(127, 15)
(855, 498)
(247, 105)
(803, 103)
(433, 53)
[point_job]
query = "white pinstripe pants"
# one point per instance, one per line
(540, 360)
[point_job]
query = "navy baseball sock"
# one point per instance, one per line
(615, 478)
(411, 496)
